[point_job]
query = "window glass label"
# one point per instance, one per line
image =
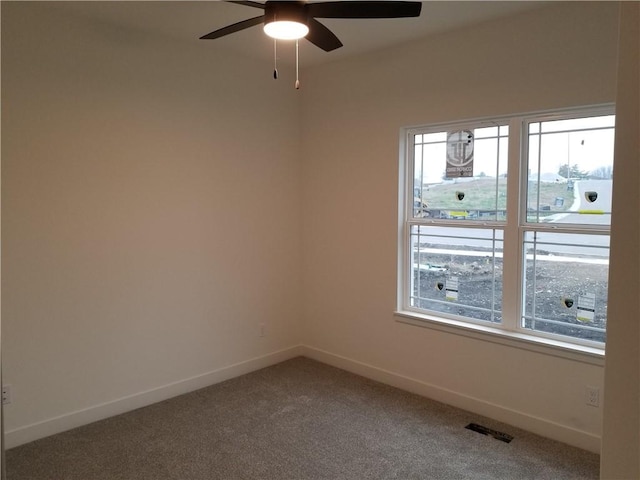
(452, 289)
(459, 154)
(586, 307)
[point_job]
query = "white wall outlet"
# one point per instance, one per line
(592, 396)
(6, 394)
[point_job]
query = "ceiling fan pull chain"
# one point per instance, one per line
(275, 59)
(297, 76)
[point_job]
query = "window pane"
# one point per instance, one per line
(570, 169)
(439, 193)
(434, 137)
(582, 123)
(566, 279)
(457, 271)
(485, 132)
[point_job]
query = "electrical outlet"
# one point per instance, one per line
(6, 394)
(263, 332)
(592, 396)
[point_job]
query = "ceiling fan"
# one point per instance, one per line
(292, 20)
(287, 20)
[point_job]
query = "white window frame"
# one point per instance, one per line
(509, 332)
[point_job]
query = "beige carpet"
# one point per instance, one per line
(296, 420)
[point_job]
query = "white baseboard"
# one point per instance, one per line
(51, 426)
(539, 426)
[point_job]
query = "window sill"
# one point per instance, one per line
(545, 346)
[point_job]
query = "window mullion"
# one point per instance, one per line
(512, 263)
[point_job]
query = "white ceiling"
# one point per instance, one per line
(187, 21)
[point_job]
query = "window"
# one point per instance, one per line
(505, 224)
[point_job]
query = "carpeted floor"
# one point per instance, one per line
(296, 420)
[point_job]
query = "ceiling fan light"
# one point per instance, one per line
(286, 30)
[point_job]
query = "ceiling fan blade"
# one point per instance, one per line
(360, 9)
(321, 36)
(236, 27)
(249, 4)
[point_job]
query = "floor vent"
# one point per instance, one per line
(503, 437)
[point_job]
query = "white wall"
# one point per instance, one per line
(621, 429)
(560, 56)
(150, 218)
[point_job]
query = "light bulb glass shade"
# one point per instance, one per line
(286, 30)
